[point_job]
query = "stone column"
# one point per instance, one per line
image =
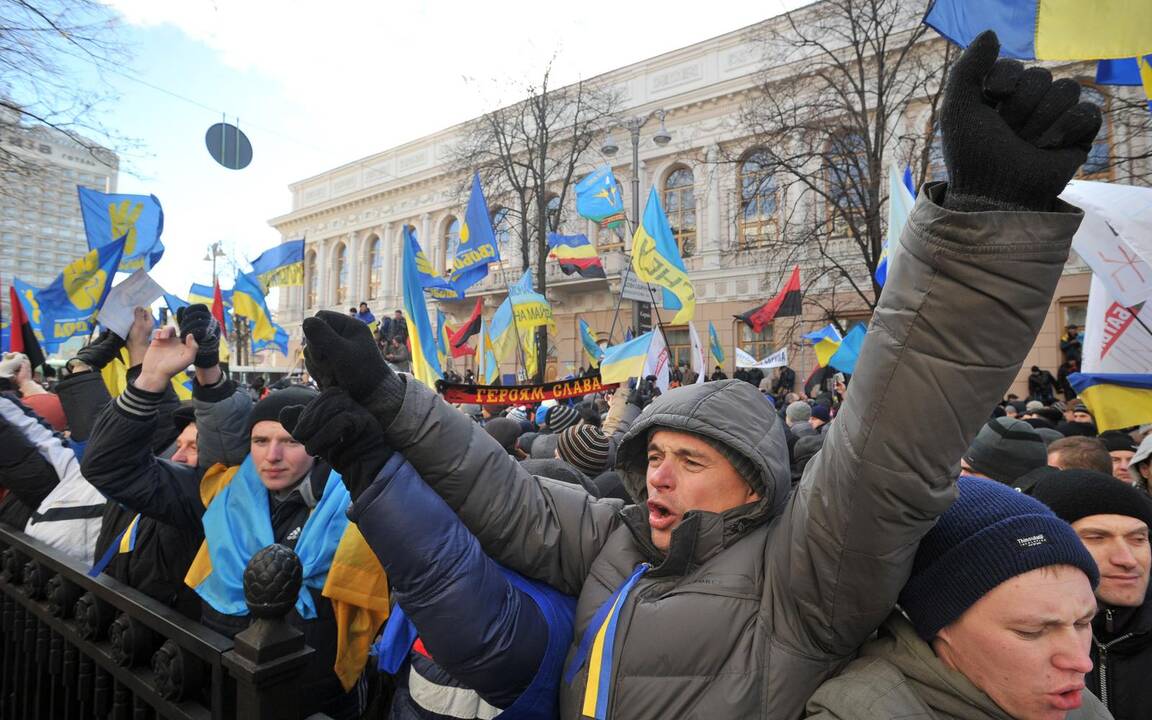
(431, 244)
(712, 228)
(322, 274)
(388, 245)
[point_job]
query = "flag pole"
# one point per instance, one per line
(520, 361)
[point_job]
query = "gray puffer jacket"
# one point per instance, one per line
(898, 676)
(751, 609)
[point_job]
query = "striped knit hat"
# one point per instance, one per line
(586, 448)
(561, 417)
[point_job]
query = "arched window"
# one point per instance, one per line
(375, 267)
(552, 211)
(310, 280)
(340, 273)
(680, 204)
(847, 177)
(758, 200)
(502, 227)
(1098, 166)
(451, 239)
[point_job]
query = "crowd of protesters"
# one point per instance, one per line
(903, 542)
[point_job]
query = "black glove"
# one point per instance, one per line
(337, 428)
(100, 351)
(1012, 137)
(197, 321)
(645, 392)
(341, 353)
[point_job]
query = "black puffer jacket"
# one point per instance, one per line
(1122, 660)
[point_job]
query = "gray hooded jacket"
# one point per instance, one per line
(898, 676)
(752, 609)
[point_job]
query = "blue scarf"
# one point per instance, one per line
(237, 525)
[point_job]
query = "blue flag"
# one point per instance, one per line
(714, 345)
(278, 341)
(901, 200)
(199, 293)
(425, 363)
(656, 259)
(248, 301)
(845, 357)
(598, 197)
(435, 285)
(68, 306)
(592, 350)
(282, 265)
(477, 245)
(137, 218)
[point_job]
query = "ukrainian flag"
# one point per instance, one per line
(1117, 401)
(656, 259)
(592, 349)
(714, 345)
(625, 361)
(1129, 71)
(248, 301)
(1049, 29)
(282, 265)
(826, 342)
(441, 338)
(425, 364)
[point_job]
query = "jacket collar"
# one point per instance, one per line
(1114, 622)
(699, 536)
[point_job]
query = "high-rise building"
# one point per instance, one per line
(40, 226)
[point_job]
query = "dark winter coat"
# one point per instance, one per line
(1122, 660)
(751, 609)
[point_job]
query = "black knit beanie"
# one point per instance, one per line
(269, 408)
(1005, 449)
(991, 534)
(1117, 441)
(1076, 494)
(561, 417)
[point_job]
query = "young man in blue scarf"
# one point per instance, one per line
(278, 494)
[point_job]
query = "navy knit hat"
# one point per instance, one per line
(991, 534)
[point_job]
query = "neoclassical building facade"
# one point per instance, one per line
(709, 179)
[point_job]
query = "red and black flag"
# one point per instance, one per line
(459, 337)
(785, 304)
(21, 338)
(575, 255)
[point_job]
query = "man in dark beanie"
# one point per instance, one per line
(1113, 518)
(506, 431)
(1121, 447)
(995, 622)
(1005, 450)
(736, 596)
(560, 417)
(276, 493)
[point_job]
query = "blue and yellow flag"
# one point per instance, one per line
(198, 293)
(530, 310)
(625, 361)
(281, 266)
(442, 353)
(826, 341)
(278, 341)
(477, 245)
(901, 199)
(435, 285)
(592, 350)
(848, 352)
(1135, 72)
(425, 364)
(68, 306)
(1049, 29)
(656, 259)
(137, 218)
(486, 362)
(714, 346)
(1117, 401)
(502, 330)
(598, 197)
(248, 301)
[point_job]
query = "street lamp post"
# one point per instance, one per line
(214, 251)
(610, 148)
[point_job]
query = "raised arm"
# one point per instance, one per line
(969, 288)
(547, 531)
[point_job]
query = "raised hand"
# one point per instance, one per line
(340, 430)
(166, 357)
(100, 351)
(197, 321)
(341, 353)
(1013, 138)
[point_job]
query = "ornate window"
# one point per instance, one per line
(679, 346)
(680, 205)
(340, 273)
(1098, 166)
(502, 228)
(375, 267)
(847, 175)
(759, 197)
(756, 344)
(450, 240)
(310, 280)
(552, 211)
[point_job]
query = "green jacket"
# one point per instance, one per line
(754, 608)
(898, 676)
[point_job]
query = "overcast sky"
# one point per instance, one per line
(319, 84)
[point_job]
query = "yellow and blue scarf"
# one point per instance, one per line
(596, 647)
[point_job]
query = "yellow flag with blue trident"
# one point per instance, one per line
(656, 259)
(68, 306)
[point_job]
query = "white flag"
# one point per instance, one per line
(1111, 234)
(1117, 339)
(776, 359)
(657, 361)
(697, 354)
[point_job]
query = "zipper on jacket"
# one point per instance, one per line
(1103, 649)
